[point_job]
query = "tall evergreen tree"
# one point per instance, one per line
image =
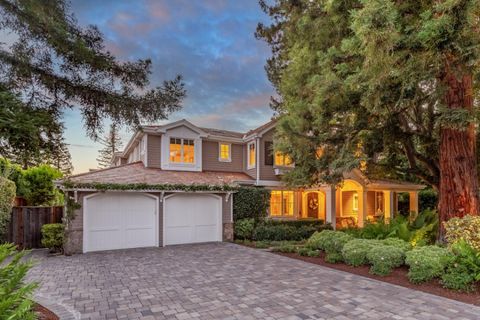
(382, 81)
(112, 143)
(56, 64)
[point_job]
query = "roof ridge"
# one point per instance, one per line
(103, 170)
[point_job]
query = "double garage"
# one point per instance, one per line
(121, 220)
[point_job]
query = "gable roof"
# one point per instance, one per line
(262, 129)
(137, 173)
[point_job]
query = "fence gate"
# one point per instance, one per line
(26, 224)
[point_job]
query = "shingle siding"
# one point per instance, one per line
(154, 147)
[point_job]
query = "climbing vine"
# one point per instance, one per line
(144, 186)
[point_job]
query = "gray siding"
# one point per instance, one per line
(154, 147)
(266, 172)
(251, 172)
(210, 160)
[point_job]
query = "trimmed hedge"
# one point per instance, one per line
(427, 263)
(355, 252)
(270, 230)
(332, 242)
(250, 203)
(384, 258)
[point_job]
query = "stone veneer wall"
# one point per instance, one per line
(74, 233)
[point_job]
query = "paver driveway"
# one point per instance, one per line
(224, 281)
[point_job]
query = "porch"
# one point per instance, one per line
(353, 203)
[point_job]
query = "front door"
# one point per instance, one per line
(312, 205)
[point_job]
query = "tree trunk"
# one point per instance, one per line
(458, 194)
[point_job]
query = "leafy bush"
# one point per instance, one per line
(307, 252)
(285, 248)
(40, 187)
(251, 202)
(318, 223)
(466, 228)
(7, 196)
(464, 269)
(355, 252)
(53, 236)
(427, 199)
(14, 173)
(243, 229)
(384, 258)
(285, 231)
(398, 243)
(15, 295)
(427, 262)
(262, 244)
(331, 242)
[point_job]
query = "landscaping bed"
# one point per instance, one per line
(43, 313)
(397, 277)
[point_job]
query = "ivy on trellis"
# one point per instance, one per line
(143, 186)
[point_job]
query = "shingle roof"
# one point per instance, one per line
(261, 128)
(137, 173)
(223, 133)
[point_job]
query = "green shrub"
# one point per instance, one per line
(331, 242)
(15, 295)
(464, 270)
(307, 252)
(427, 199)
(299, 223)
(384, 258)
(40, 186)
(355, 252)
(7, 196)
(262, 244)
(285, 231)
(398, 243)
(466, 228)
(251, 202)
(285, 248)
(458, 278)
(53, 236)
(243, 229)
(427, 263)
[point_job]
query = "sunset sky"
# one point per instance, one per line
(210, 43)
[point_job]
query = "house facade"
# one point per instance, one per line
(181, 153)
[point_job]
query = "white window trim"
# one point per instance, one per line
(220, 152)
(249, 166)
(183, 164)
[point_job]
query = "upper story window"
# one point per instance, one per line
(224, 152)
(182, 150)
(251, 156)
(282, 159)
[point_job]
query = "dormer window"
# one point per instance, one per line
(182, 150)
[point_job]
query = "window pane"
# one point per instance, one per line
(175, 150)
(279, 159)
(224, 151)
(188, 151)
(251, 154)
(276, 203)
(288, 203)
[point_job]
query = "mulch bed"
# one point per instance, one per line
(398, 277)
(43, 313)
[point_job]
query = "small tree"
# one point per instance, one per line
(112, 143)
(7, 195)
(40, 186)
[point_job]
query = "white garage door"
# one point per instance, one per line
(120, 221)
(191, 218)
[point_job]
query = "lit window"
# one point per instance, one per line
(282, 159)
(224, 150)
(281, 203)
(251, 155)
(182, 150)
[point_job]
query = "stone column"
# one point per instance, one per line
(362, 208)
(413, 201)
(389, 201)
(330, 200)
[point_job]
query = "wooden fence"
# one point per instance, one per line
(26, 224)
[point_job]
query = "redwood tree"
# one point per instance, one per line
(387, 82)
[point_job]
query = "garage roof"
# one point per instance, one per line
(137, 173)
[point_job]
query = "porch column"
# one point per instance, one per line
(362, 208)
(330, 215)
(413, 201)
(389, 197)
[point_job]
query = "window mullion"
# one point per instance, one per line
(181, 151)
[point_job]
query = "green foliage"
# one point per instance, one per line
(112, 143)
(332, 242)
(53, 236)
(56, 64)
(427, 199)
(355, 252)
(464, 229)
(427, 262)
(244, 229)
(144, 186)
(262, 244)
(307, 252)
(7, 196)
(464, 270)
(41, 190)
(317, 223)
(285, 248)
(15, 173)
(251, 202)
(286, 230)
(15, 295)
(397, 243)
(384, 258)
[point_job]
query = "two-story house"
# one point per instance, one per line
(154, 208)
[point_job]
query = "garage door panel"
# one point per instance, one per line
(120, 220)
(191, 218)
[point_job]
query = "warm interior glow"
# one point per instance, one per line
(281, 159)
(251, 155)
(188, 151)
(281, 203)
(224, 151)
(175, 150)
(182, 150)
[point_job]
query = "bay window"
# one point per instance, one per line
(182, 150)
